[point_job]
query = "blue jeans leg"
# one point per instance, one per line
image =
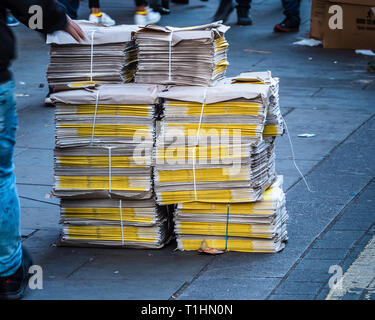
(291, 8)
(10, 236)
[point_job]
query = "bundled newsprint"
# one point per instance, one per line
(274, 121)
(108, 55)
(249, 226)
(103, 167)
(182, 56)
(215, 159)
(210, 146)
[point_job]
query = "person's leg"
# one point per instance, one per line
(243, 7)
(97, 16)
(291, 8)
(144, 15)
(10, 238)
(71, 7)
(292, 17)
(223, 11)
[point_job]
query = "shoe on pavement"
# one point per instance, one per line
(12, 22)
(181, 1)
(243, 16)
(148, 16)
(102, 18)
(289, 24)
(223, 11)
(162, 10)
(13, 287)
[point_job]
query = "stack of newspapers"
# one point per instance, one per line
(182, 56)
(103, 166)
(214, 159)
(210, 146)
(108, 55)
(249, 227)
(274, 121)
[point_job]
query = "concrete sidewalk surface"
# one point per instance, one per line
(322, 91)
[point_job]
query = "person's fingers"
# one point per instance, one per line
(79, 31)
(74, 30)
(74, 34)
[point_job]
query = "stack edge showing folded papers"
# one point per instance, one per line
(109, 114)
(182, 56)
(246, 227)
(274, 121)
(214, 137)
(109, 55)
(117, 223)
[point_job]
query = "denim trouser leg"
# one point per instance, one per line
(10, 237)
(71, 7)
(291, 8)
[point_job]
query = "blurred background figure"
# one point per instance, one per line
(12, 21)
(226, 7)
(289, 24)
(161, 6)
(292, 17)
(144, 15)
(96, 15)
(184, 1)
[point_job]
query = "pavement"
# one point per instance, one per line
(331, 229)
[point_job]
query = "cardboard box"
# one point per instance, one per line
(358, 24)
(318, 11)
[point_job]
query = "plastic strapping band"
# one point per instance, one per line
(197, 142)
(122, 225)
(170, 58)
(226, 232)
(92, 54)
(294, 158)
(109, 169)
(94, 121)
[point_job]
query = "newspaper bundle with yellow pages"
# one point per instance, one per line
(211, 147)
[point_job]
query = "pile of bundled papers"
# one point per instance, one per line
(274, 121)
(210, 146)
(182, 56)
(103, 166)
(248, 227)
(114, 222)
(111, 114)
(108, 55)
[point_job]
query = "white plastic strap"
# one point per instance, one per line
(197, 141)
(109, 168)
(122, 224)
(94, 121)
(294, 158)
(92, 54)
(170, 58)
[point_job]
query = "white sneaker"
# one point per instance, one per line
(147, 17)
(103, 19)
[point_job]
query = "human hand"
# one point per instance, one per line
(74, 30)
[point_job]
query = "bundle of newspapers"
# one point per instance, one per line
(249, 227)
(103, 166)
(182, 56)
(116, 222)
(211, 147)
(108, 55)
(274, 121)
